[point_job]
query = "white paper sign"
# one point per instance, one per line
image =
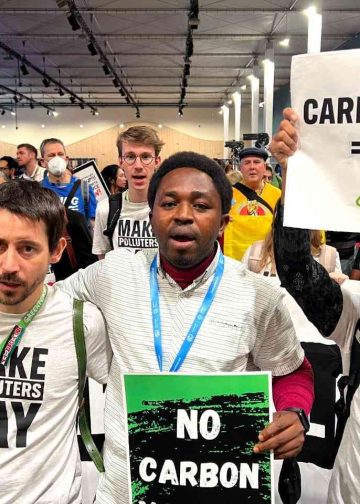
(323, 185)
(89, 172)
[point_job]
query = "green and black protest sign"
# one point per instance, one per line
(191, 438)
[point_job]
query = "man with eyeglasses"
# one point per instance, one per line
(139, 155)
(8, 166)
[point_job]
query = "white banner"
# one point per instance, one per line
(89, 172)
(323, 185)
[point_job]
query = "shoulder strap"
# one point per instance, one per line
(115, 205)
(252, 195)
(69, 246)
(85, 195)
(78, 327)
(71, 193)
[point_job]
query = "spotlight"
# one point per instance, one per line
(92, 49)
(72, 99)
(95, 112)
(106, 70)
(55, 114)
(116, 82)
(61, 92)
(23, 69)
(73, 21)
(13, 113)
(137, 115)
(45, 82)
(48, 112)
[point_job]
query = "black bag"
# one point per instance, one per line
(327, 365)
(81, 242)
(115, 205)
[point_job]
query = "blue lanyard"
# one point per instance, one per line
(198, 320)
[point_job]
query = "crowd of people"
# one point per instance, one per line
(174, 234)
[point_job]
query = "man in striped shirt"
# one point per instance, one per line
(246, 327)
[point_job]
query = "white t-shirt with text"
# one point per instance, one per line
(39, 455)
(133, 230)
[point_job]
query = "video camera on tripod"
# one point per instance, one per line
(235, 148)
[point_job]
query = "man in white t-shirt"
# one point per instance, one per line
(139, 155)
(39, 456)
(27, 158)
(246, 327)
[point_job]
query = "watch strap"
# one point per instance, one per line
(302, 417)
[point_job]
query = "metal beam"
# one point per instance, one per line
(167, 36)
(174, 10)
(147, 54)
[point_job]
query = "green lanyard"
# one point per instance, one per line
(12, 341)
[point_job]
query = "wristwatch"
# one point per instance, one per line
(302, 417)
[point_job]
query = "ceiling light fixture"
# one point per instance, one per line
(73, 22)
(285, 42)
(92, 48)
(24, 69)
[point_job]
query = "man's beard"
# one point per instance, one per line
(12, 298)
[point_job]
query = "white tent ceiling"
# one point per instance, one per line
(145, 43)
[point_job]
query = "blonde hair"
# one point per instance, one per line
(234, 177)
(142, 135)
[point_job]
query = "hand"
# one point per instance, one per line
(284, 142)
(285, 435)
(338, 277)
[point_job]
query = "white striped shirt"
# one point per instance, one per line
(247, 327)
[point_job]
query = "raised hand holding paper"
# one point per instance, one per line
(323, 181)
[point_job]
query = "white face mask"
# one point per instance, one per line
(57, 166)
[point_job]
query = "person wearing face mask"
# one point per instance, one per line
(78, 211)
(74, 194)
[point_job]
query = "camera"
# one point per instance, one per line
(235, 148)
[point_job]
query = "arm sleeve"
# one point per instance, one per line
(98, 351)
(278, 348)
(306, 280)
(101, 244)
(92, 203)
(295, 390)
(83, 284)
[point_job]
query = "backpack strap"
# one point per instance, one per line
(78, 328)
(69, 246)
(252, 195)
(115, 205)
(72, 193)
(85, 192)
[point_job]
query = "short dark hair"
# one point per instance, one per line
(29, 147)
(11, 162)
(28, 199)
(199, 162)
(109, 173)
(50, 141)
